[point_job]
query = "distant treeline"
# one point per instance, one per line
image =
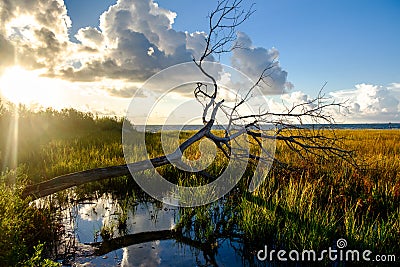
(23, 130)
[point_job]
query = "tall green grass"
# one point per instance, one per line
(24, 227)
(308, 207)
(45, 144)
(312, 207)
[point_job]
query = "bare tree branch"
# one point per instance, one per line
(299, 127)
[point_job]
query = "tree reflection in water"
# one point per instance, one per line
(128, 228)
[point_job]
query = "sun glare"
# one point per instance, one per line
(21, 86)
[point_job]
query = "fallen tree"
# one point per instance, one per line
(291, 126)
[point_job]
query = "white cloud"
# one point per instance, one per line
(36, 32)
(140, 42)
(365, 103)
(253, 60)
(135, 40)
(195, 43)
(90, 37)
(369, 102)
(284, 102)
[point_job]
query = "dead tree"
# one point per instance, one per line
(293, 126)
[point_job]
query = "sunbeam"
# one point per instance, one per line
(11, 151)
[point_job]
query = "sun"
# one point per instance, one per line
(27, 87)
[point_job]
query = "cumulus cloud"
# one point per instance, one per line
(35, 31)
(135, 40)
(296, 98)
(363, 103)
(90, 37)
(253, 60)
(138, 41)
(369, 102)
(285, 102)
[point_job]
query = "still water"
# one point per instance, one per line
(110, 230)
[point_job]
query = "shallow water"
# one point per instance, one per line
(143, 239)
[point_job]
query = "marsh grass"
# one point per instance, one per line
(24, 228)
(313, 207)
(309, 206)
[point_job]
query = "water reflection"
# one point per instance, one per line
(124, 230)
(107, 213)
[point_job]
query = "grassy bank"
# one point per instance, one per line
(37, 146)
(309, 207)
(319, 204)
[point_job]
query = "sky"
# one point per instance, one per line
(96, 55)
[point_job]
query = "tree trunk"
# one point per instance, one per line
(78, 178)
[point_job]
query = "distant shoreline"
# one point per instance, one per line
(346, 126)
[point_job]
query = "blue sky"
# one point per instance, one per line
(351, 45)
(340, 42)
